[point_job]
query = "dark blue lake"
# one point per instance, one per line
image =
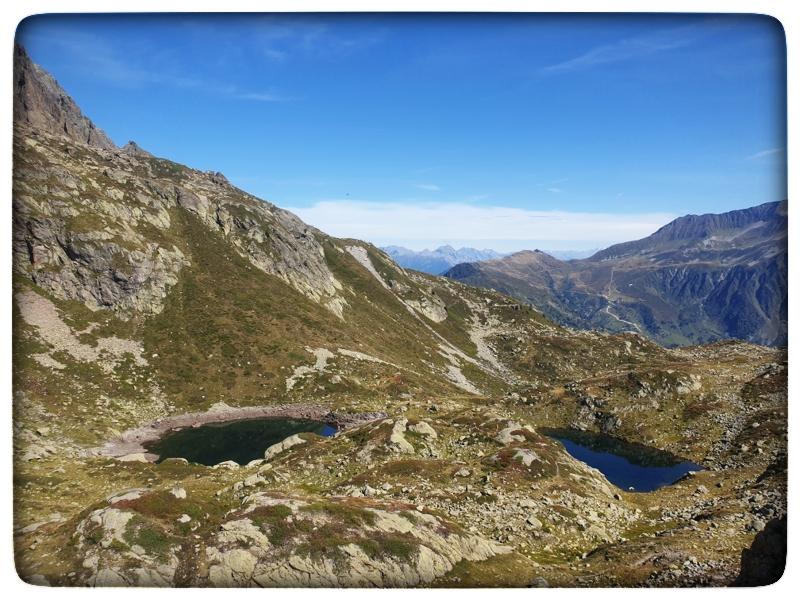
(628, 466)
(239, 441)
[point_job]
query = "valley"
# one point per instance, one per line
(151, 296)
(698, 279)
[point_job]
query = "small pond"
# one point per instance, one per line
(627, 465)
(239, 441)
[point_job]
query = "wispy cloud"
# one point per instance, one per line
(766, 153)
(264, 97)
(97, 56)
(634, 47)
(380, 222)
(254, 41)
(555, 190)
(94, 55)
(280, 38)
(428, 187)
(276, 55)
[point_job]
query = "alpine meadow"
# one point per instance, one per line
(210, 390)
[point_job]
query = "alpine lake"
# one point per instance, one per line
(239, 441)
(632, 467)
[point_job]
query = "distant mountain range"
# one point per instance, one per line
(439, 260)
(697, 279)
(570, 254)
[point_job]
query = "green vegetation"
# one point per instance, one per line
(151, 538)
(273, 519)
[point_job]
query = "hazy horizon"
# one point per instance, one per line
(514, 247)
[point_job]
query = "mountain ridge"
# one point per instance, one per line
(691, 227)
(700, 278)
(443, 258)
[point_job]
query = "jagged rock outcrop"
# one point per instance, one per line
(135, 149)
(277, 541)
(75, 238)
(272, 239)
(374, 545)
(40, 101)
(764, 562)
(98, 272)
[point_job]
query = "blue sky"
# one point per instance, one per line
(558, 132)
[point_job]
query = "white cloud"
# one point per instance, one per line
(765, 153)
(504, 228)
(635, 47)
(555, 190)
(264, 97)
(428, 187)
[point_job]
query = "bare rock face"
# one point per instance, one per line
(389, 548)
(94, 223)
(273, 240)
(74, 238)
(41, 102)
(431, 307)
(98, 272)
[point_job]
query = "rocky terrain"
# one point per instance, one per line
(439, 260)
(149, 295)
(698, 279)
(40, 102)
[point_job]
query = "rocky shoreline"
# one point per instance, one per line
(132, 444)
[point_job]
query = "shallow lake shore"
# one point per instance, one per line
(135, 441)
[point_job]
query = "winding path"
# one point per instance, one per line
(608, 306)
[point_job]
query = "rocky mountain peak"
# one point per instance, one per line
(135, 149)
(39, 101)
